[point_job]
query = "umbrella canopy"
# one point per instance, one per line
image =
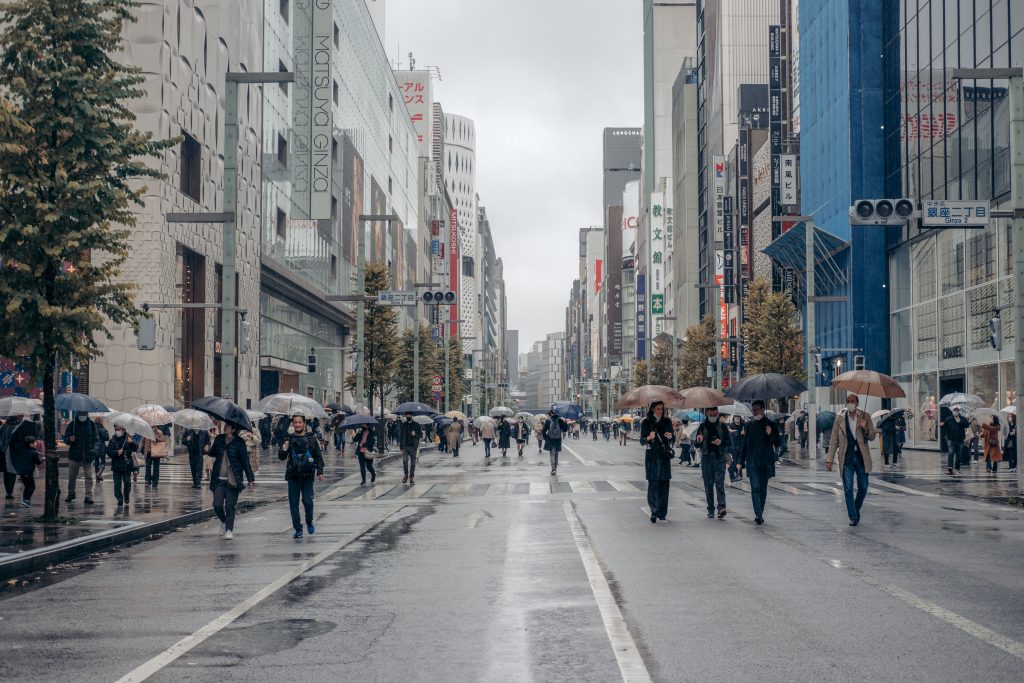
(567, 410)
(775, 416)
(764, 386)
(1009, 410)
(958, 398)
(291, 404)
(192, 419)
(502, 411)
(423, 419)
(825, 420)
(171, 409)
(880, 415)
(443, 421)
(688, 415)
(223, 409)
(16, 405)
(79, 403)
(255, 415)
(133, 424)
(353, 421)
(528, 417)
(482, 420)
(737, 408)
(153, 414)
(642, 397)
(605, 419)
(340, 408)
(869, 383)
(704, 397)
(414, 408)
(626, 418)
(456, 414)
(985, 415)
(689, 430)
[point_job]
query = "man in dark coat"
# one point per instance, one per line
(954, 429)
(197, 441)
(304, 463)
(409, 436)
(81, 436)
(658, 437)
(18, 438)
(504, 436)
(760, 439)
(554, 430)
(713, 437)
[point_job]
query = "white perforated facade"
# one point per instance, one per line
(460, 175)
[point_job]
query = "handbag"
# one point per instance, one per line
(158, 450)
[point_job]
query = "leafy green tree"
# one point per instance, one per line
(698, 347)
(431, 364)
(456, 373)
(68, 173)
(660, 366)
(640, 373)
(381, 346)
(775, 341)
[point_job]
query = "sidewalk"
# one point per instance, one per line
(26, 544)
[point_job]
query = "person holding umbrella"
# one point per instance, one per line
(522, 433)
(851, 437)
(990, 433)
(713, 437)
(18, 449)
(230, 462)
(487, 432)
(453, 435)
(102, 436)
(954, 429)
(197, 441)
(304, 462)
(656, 434)
(121, 450)
(554, 429)
(757, 455)
(409, 436)
(504, 436)
(1010, 443)
(81, 437)
(735, 446)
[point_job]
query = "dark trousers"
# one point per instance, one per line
(1010, 455)
(953, 449)
(684, 453)
(853, 467)
(195, 463)
(409, 460)
(366, 464)
(487, 447)
(339, 439)
(100, 462)
(27, 480)
(734, 467)
(758, 488)
(657, 497)
(122, 486)
(225, 501)
(712, 469)
(152, 470)
(304, 487)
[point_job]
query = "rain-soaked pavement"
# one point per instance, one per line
(499, 572)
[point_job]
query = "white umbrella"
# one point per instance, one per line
(17, 405)
(1009, 410)
(255, 415)
(423, 419)
(737, 408)
(502, 411)
(880, 415)
(958, 398)
(133, 424)
(291, 404)
(479, 422)
(691, 429)
(192, 419)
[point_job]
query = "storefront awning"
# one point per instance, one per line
(789, 250)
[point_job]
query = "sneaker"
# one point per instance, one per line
(9, 496)
(228, 535)
(26, 503)
(70, 498)
(854, 522)
(654, 520)
(711, 515)
(405, 479)
(722, 513)
(373, 478)
(552, 473)
(297, 534)
(88, 500)
(310, 529)
(120, 504)
(949, 470)
(759, 520)
(411, 481)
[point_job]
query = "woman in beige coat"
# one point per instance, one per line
(991, 434)
(454, 436)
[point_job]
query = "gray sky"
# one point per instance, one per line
(541, 79)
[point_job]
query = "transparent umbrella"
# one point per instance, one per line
(133, 424)
(17, 405)
(502, 411)
(192, 419)
(291, 404)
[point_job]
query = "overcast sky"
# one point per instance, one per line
(541, 79)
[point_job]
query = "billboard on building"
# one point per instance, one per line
(417, 93)
(613, 293)
(630, 215)
(310, 148)
(641, 316)
(453, 268)
(656, 265)
(718, 190)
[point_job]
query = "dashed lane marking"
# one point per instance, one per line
(904, 489)
(623, 486)
(581, 487)
(589, 463)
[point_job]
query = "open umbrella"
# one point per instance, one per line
(690, 430)
(414, 408)
(291, 404)
(353, 421)
(255, 415)
(983, 415)
(880, 415)
(764, 386)
(443, 421)
(133, 424)
(1009, 410)
(482, 420)
(736, 408)
(223, 409)
(567, 410)
(79, 403)
(605, 419)
(775, 416)
(153, 414)
(629, 419)
(869, 383)
(172, 409)
(959, 398)
(825, 420)
(340, 408)
(501, 411)
(642, 397)
(456, 414)
(423, 419)
(17, 405)
(528, 417)
(704, 397)
(192, 419)
(688, 415)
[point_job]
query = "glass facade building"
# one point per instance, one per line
(947, 139)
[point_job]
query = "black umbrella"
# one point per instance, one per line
(340, 408)
(223, 409)
(79, 403)
(765, 386)
(443, 421)
(413, 408)
(825, 420)
(567, 410)
(354, 421)
(171, 409)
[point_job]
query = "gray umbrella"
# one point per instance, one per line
(764, 386)
(825, 420)
(79, 403)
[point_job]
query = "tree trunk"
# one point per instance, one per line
(51, 491)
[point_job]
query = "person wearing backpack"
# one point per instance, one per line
(554, 429)
(365, 441)
(304, 463)
(121, 451)
(20, 457)
(230, 462)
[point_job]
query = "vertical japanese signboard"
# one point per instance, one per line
(641, 317)
(718, 190)
(788, 180)
(723, 308)
(744, 198)
(775, 117)
(312, 109)
(657, 258)
(613, 296)
(453, 270)
(729, 251)
(417, 94)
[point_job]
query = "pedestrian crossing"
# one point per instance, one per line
(180, 473)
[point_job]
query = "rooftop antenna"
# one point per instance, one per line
(412, 62)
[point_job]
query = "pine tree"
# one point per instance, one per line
(66, 214)
(381, 346)
(775, 341)
(698, 347)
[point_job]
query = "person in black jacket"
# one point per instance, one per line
(713, 437)
(100, 459)
(409, 436)
(230, 463)
(760, 439)
(81, 437)
(197, 441)
(657, 435)
(554, 430)
(120, 450)
(954, 429)
(504, 436)
(301, 450)
(522, 434)
(365, 441)
(20, 457)
(266, 427)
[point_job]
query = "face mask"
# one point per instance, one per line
(118, 434)
(82, 418)
(759, 417)
(712, 419)
(851, 407)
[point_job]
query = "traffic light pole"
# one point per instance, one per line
(361, 308)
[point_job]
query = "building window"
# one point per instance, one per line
(391, 144)
(467, 266)
(283, 7)
(282, 150)
(334, 151)
(334, 208)
(391, 103)
(282, 68)
(191, 168)
(334, 268)
(391, 185)
(282, 224)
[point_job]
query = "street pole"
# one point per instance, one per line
(812, 379)
(1017, 193)
(447, 367)
(361, 314)
(416, 354)
(229, 271)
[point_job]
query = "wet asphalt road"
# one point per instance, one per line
(475, 574)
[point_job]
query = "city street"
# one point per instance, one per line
(496, 571)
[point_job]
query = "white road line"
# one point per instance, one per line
(189, 642)
(823, 487)
(623, 486)
(904, 489)
(457, 490)
(792, 490)
(539, 488)
(631, 664)
(416, 490)
(581, 487)
(589, 463)
(376, 492)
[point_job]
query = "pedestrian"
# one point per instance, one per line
(683, 439)
(18, 451)
(154, 450)
(364, 442)
(409, 436)
(339, 434)
(656, 434)
(890, 445)
(522, 434)
(735, 446)
(713, 437)
(453, 435)
(593, 430)
(80, 435)
(504, 436)
(266, 426)
(852, 433)
(757, 455)
(197, 442)
(991, 434)
(487, 433)
(100, 460)
(230, 463)
(303, 464)
(554, 431)
(281, 430)
(954, 430)
(1010, 443)
(121, 448)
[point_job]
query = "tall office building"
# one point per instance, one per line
(460, 174)
(512, 356)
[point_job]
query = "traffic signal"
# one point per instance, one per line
(243, 336)
(858, 362)
(439, 297)
(146, 340)
(882, 211)
(311, 364)
(995, 332)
